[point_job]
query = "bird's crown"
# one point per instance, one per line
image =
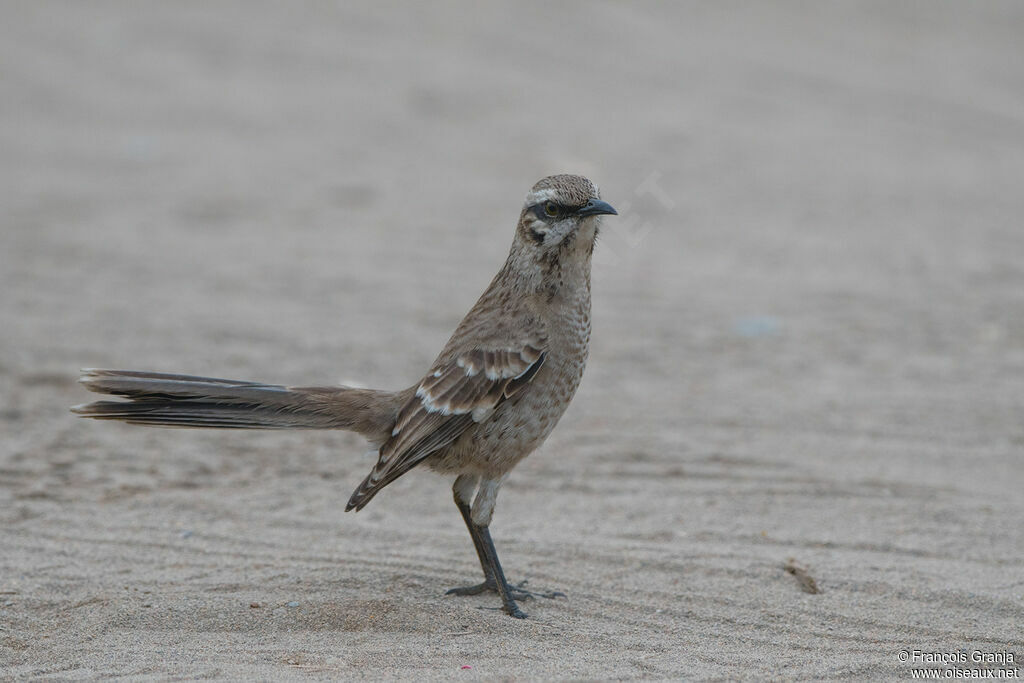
(569, 191)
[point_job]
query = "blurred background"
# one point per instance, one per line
(808, 318)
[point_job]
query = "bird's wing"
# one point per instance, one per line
(458, 391)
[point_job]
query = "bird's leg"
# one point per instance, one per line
(463, 491)
(477, 521)
(504, 590)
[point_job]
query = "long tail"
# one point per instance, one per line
(185, 401)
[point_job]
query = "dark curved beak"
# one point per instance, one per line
(595, 207)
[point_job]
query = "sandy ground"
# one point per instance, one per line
(808, 343)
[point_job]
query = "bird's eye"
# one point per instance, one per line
(551, 210)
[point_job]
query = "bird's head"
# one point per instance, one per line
(561, 209)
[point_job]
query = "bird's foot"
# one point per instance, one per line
(512, 609)
(520, 593)
(472, 590)
(515, 591)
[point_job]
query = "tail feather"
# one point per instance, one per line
(168, 400)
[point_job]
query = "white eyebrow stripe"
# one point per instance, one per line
(537, 196)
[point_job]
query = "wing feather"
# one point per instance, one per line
(454, 394)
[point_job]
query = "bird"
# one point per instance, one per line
(492, 396)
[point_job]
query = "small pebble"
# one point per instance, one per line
(254, 605)
(293, 604)
(187, 533)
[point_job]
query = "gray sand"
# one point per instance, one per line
(808, 343)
